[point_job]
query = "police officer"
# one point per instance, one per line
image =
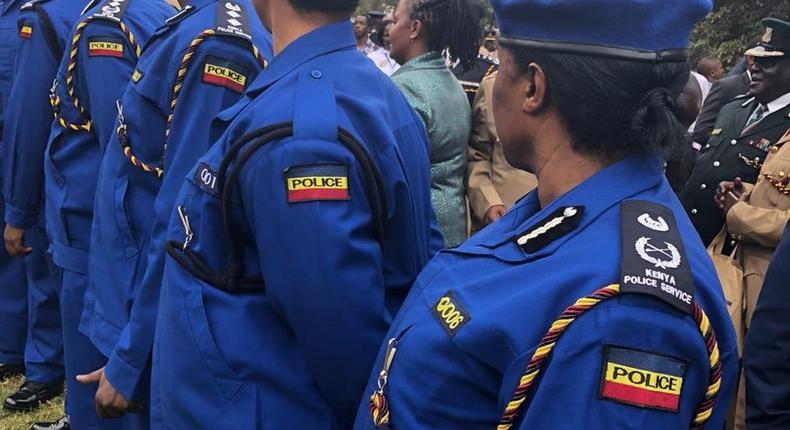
(294, 239)
(102, 54)
(193, 67)
(44, 29)
(13, 296)
(745, 131)
(590, 304)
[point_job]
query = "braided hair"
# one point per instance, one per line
(452, 25)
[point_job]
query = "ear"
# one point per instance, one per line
(535, 90)
(415, 30)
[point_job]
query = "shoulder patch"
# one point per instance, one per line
(654, 258)
(206, 178)
(232, 20)
(105, 46)
(558, 224)
(25, 30)
(317, 182)
(224, 73)
(642, 379)
(450, 314)
(112, 10)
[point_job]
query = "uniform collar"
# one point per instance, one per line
(321, 41)
(431, 60)
(610, 186)
(778, 104)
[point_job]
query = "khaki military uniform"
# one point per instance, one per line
(491, 180)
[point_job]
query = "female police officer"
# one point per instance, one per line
(591, 304)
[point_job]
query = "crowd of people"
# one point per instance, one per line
(284, 214)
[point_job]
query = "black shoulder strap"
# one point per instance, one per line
(112, 10)
(47, 28)
(232, 20)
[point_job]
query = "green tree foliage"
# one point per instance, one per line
(733, 23)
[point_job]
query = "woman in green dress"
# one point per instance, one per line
(423, 30)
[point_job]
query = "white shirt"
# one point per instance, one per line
(778, 104)
(381, 58)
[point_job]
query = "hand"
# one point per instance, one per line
(14, 241)
(109, 402)
(494, 213)
(730, 193)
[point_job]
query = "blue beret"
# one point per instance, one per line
(649, 30)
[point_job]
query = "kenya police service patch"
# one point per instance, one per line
(642, 378)
(105, 47)
(317, 182)
(224, 73)
(26, 31)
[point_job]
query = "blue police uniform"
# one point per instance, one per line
(101, 57)
(13, 297)
(281, 303)
(598, 310)
(767, 348)
(192, 68)
(44, 27)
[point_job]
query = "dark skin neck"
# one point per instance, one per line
(287, 24)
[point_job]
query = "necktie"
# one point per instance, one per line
(756, 117)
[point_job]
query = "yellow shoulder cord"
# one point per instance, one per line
(86, 123)
(186, 60)
(581, 306)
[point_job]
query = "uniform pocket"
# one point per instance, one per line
(122, 220)
(216, 365)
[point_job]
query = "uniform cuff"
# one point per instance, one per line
(122, 376)
(734, 216)
(19, 218)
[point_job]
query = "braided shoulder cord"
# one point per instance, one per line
(86, 123)
(581, 306)
(186, 61)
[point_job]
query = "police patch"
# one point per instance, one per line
(105, 47)
(25, 31)
(224, 73)
(317, 182)
(450, 314)
(642, 379)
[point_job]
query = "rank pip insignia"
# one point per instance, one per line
(642, 379)
(224, 73)
(105, 47)
(317, 182)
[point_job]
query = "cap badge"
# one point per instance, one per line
(769, 32)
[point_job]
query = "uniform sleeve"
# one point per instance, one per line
(759, 225)
(767, 349)
(606, 373)
(321, 262)
(480, 188)
(27, 127)
(105, 74)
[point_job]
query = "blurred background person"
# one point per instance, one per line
(493, 185)
(471, 74)
(362, 34)
(422, 31)
(381, 57)
(710, 67)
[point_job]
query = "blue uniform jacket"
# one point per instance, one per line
(295, 353)
(477, 313)
(29, 115)
(109, 37)
(767, 350)
(221, 66)
(9, 43)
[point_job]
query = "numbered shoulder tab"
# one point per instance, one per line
(232, 20)
(654, 260)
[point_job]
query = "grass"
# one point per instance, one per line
(22, 421)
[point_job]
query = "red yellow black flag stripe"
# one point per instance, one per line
(224, 73)
(26, 31)
(105, 47)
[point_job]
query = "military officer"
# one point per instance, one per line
(745, 130)
(44, 29)
(294, 239)
(13, 296)
(193, 67)
(102, 54)
(591, 304)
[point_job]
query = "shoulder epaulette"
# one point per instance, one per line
(112, 10)
(232, 20)
(175, 19)
(31, 4)
(654, 261)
